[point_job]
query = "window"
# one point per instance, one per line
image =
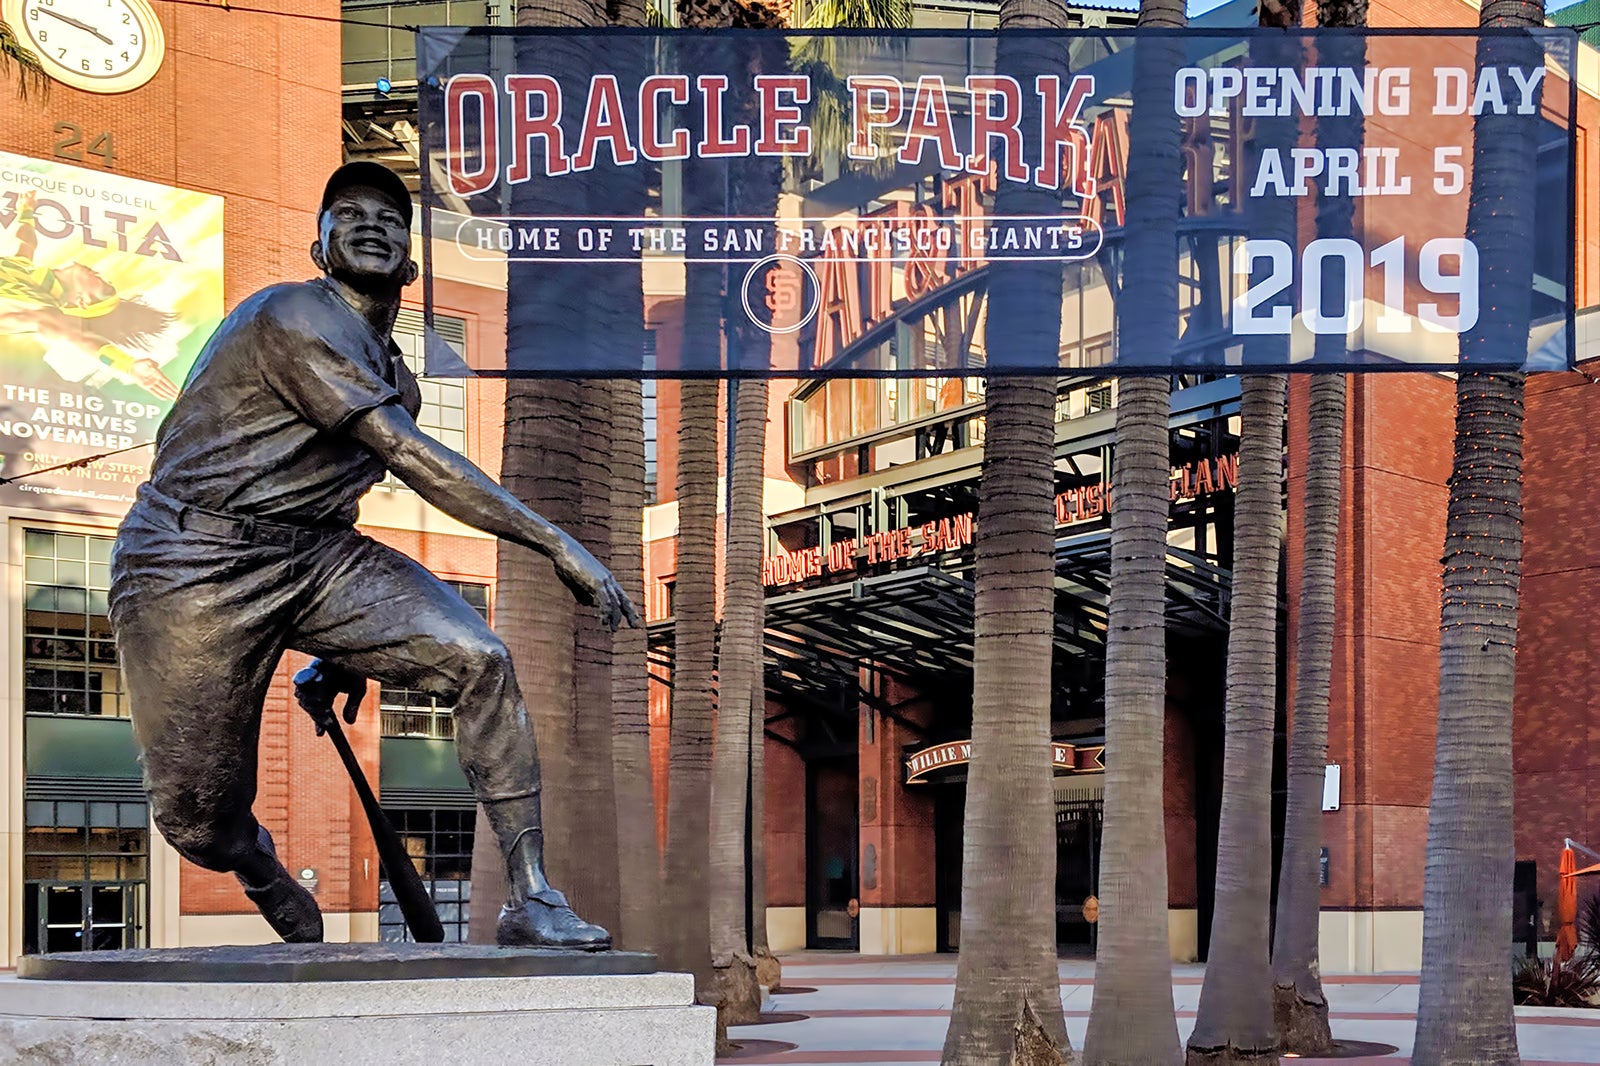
(443, 415)
(409, 713)
(439, 842)
(647, 389)
(378, 42)
(70, 659)
(86, 873)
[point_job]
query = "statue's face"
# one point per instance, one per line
(364, 239)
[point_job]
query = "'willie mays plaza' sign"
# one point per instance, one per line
(847, 555)
(1065, 758)
(820, 194)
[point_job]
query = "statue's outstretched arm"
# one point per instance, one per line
(455, 486)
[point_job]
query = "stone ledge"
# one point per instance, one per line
(180, 1000)
(579, 1020)
(259, 963)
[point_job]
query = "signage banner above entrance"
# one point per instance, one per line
(1066, 758)
(868, 203)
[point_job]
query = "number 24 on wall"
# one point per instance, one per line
(1349, 307)
(69, 139)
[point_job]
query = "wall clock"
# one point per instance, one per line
(99, 46)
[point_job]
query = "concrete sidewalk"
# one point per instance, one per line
(850, 1009)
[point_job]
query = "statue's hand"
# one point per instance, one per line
(316, 687)
(593, 584)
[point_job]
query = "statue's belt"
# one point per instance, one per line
(244, 528)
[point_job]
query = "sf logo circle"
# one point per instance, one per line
(781, 294)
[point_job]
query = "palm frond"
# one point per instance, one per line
(1589, 923)
(860, 15)
(30, 73)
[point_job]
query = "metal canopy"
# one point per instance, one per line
(917, 624)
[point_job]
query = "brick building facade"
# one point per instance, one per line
(856, 855)
(245, 106)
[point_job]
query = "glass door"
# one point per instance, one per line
(83, 916)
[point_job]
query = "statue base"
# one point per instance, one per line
(352, 1004)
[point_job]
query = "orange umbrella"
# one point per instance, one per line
(1567, 907)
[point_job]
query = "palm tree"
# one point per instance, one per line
(829, 132)
(859, 15)
(30, 73)
(1465, 1008)
(540, 465)
(739, 673)
(1299, 1005)
(753, 190)
(638, 849)
(1235, 1022)
(687, 909)
(1131, 1020)
(1008, 996)
(593, 881)
(687, 914)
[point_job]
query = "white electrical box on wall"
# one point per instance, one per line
(1330, 787)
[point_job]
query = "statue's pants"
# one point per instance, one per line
(204, 605)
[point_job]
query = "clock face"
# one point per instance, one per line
(100, 46)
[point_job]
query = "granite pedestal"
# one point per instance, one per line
(351, 1005)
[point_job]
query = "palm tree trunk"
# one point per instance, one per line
(690, 757)
(1007, 999)
(540, 466)
(769, 971)
(638, 851)
(1132, 1020)
(693, 693)
(739, 671)
(1465, 1010)
(1234, 1022)
(1008, 994)
(753, 193)
(593, 881)
(1299, 1005)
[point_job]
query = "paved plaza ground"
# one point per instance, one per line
(850, 1009)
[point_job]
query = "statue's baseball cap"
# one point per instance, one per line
(373, 176)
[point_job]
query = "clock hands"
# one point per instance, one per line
(84, 26)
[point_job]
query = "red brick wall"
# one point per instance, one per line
(785, 817)
(1557, 746)
(896, 818)
(245, 106)
(1178, 807)
(1386, 646)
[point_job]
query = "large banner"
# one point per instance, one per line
(108, 289)
(938, 204)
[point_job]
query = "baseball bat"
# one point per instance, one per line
(421, 917)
